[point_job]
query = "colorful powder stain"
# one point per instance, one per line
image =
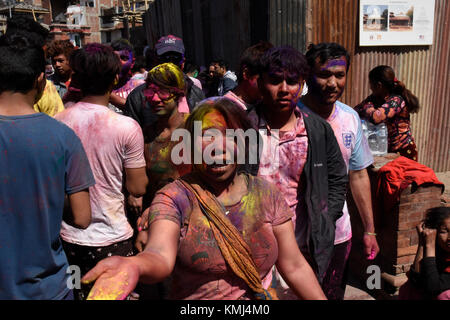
(335, 63)
(109, 289)
(213, 119)
(251, 205)
(165, 73)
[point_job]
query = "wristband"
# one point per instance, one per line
(370, 233)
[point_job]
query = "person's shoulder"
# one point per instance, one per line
(137, 91)
(261, 183)
(54, 121)
(347, 109)
(316, 126)
(123, 122)
(302, 106)
(176, 191)
(54, 78)
(229, 81)
(253, 114)
(59, 128)
(311, 118)
(49, 84)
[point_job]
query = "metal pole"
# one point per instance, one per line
(9, 6)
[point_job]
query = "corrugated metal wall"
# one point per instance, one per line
(425, 70)
(210, 29)
(163, 18)
(287, 23)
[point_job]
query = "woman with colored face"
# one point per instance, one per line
(391, 103)
(217, 230)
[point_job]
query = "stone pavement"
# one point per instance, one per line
(355, 290)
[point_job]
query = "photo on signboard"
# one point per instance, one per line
(401, 17)
(375, 18)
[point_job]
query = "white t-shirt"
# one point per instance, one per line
(112, 142)
(346, 125)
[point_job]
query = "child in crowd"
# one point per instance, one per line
(392, 103)
(429, 277)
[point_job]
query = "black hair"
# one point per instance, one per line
(190, 66)
(386, 76)
(435, 217)
(139, 64)
(95, 68)
(27, 27)
(151, 58)
(326, 51)
(57, 47)
(21, 63)
(122, 44)
(284, 58)
(251, 58)
(221, 62)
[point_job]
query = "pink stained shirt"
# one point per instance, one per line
(128, 87)
(200, 271)
(233, 97)
(282, 161)
(112, 143)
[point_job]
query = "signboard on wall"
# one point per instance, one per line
(396, 22)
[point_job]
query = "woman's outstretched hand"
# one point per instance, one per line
(115, 278)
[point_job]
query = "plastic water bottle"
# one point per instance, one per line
(371, 136)
(382, 135)
(376, 136)
(364, 127)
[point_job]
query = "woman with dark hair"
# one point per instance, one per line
(391, 102)
(429, 276)
(218, 232)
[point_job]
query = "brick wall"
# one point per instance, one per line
(397, 235)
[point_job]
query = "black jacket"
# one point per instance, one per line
(139, 109)
(326, 180)
(326, 175)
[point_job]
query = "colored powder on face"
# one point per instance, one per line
(298, 94)
(335, 63)
(213, 119)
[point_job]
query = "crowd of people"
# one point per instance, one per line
(91, 174)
